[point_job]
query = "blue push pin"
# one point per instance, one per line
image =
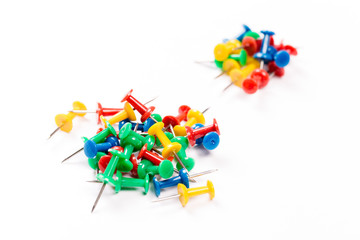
(91, 148)
(281, 58)
(211, 141)
(174, 181)
(264, 55)
(140, 126)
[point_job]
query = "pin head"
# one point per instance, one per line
(249, 86)
(79, 106)
(130, 111)
(166, 169)
(147, 114)
(90, 149)
(188, 162)
(282, 58)
(211, 140)
(230, 64)
(250, 45)
(221, 52)
(210, 185)
(197, 115)
(127, 96)
(170, 120)
(170, 148)
(64, 122)
(156, 186)
(183, 192)
(125, 130)
(261, 77)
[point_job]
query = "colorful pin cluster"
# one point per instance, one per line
(152, 150)
(249, 59)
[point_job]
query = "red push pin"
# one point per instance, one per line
(258, 79)
(173, 121)
(193, 134)
(100, 111)
(141, 108)
(273, 68)
(151, 156)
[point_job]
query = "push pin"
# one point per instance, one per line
(128, 112)
(173, 121)
(170, 148)
(98, 138)
(123, 164)
(194, 134)
(241, 58)
(91, 148)
(180, 178)
(141, 108)
(237, 76)
(228, 65)
(100, 111)
(64, 121)
(249, 44)
(193, 117)
(184, 194)
(165, 169)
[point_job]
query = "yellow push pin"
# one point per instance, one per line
(193, 117)
(64, 121)
(223, 50)
(228, 65)
(237, 76)
(185, 194)
(170, 148)
(128, 112)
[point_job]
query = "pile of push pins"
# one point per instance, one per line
(249, 60)
(153, 149)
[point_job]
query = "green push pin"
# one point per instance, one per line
(123, 182)
(129, 137)
(107, 177)
(93, 162)
(252, 34)
(242, 57)
(124, 164)
(187, 161)
(98, 138)
(165, 169)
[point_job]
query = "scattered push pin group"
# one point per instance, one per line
(147, 151)
(249, 59)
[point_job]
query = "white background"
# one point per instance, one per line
(289, 155)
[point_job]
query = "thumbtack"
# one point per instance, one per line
(141, 108)
(128, 112)
(173, 121)
(180, 178)
(64, 121)
(194, 134)
(165, 169)
(228, 65)
(91, 148)
(184, 194)
(100, 111)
